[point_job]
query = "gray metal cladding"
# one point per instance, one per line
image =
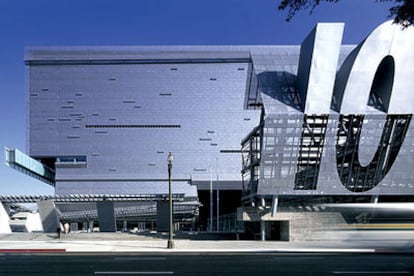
(125, 118)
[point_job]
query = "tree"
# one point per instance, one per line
(402, 12)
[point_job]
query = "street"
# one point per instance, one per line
(207, 264)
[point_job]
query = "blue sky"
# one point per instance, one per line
(145, 22)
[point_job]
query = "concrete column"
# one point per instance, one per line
(85, 226)
(48, 215)
(4, 221)
(262, 230)
(262, 222)
(125, 226)
(106, 216)
(162, 216)
(74, 226)
(275, 202)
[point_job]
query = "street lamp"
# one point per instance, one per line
(170, 236)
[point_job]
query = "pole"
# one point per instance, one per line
(211, 203)
(218, 198)
(170, 236)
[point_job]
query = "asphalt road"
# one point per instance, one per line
(207, 264)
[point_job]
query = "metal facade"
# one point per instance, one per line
(108, 117)
(360, 143)
(321, 116)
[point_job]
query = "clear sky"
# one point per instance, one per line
(145, 22)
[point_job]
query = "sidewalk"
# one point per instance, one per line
(124, 242)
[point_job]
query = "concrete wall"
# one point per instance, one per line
(296, 226)
(163, 216)
(34, 223)
(48, 215)
(303, 226)
(4, 221)
(106, 215)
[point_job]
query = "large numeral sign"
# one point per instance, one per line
(376, 77)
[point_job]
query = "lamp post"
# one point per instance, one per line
(170, 236)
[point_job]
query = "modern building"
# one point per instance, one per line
(104, 119)
(264, 128)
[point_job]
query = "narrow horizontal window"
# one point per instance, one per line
(204, 139)
(213, 79)
(112, 119)
(128, 101)
(71, 159)
(112, 79)
(34, 94)
(240, 69)
(174, 69)
(151, 164)
(137, 106)
(101, 131)
(64, 119)
(67, 106)
(75, 114)
(213, 144)
(51, 119)
(231, 151)
(112, 170)
(133, 126)
(77, 126)
(210, 131)
(78, 94)
(73, 137)
(95, 154)
(45, 89)
(70, 102)
(160, 151)
(95, 114)
(165, 94)
(247, 119)
(200, 170)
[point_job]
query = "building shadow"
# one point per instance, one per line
(281, 86)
